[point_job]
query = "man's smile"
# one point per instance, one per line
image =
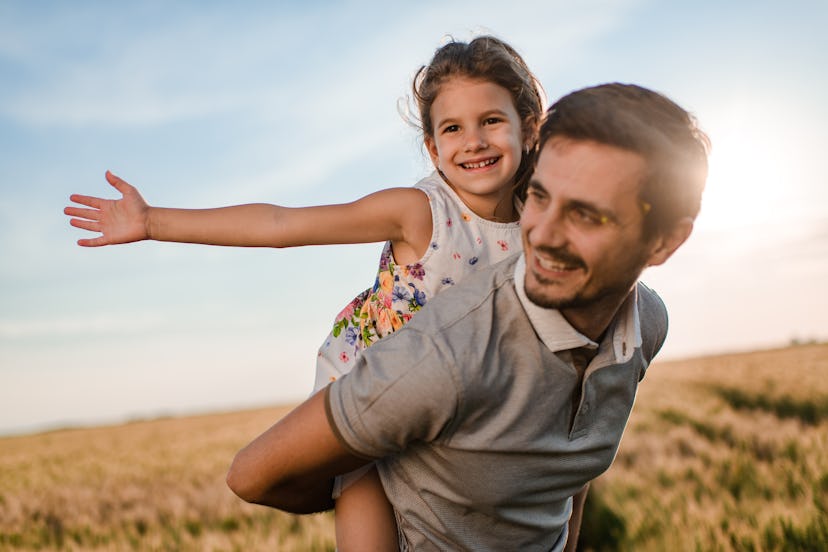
(558, 261)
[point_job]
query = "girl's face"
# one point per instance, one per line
(478, 143)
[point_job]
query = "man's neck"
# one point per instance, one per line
(594, 321)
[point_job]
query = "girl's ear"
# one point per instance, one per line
(530, 132)
(431, 146)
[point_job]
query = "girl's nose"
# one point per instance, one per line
(475, 140)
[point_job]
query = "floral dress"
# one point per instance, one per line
(461, 242)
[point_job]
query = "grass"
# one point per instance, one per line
(150, 485)
(809, 411)
(724, 453)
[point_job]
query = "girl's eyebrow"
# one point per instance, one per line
(452, 119)
(445, 121)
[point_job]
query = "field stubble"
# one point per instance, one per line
(149, 485)
(722, 453)
(725, 452)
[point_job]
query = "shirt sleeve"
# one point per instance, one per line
(401, 390)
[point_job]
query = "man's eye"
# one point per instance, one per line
(587, 217)
(535, 196)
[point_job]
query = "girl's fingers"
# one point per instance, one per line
(91, 214)
(89, 201)
(92, 226)
(117, 183)
(92, 242)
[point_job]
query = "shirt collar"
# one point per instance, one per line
(558, 335)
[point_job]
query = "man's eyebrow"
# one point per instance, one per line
(606, 213)
(535, 185)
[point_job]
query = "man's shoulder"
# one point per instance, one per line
(649, 303)
(653, 320)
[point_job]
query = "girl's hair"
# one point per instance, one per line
(485, 58)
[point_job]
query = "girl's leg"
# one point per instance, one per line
(364, 517)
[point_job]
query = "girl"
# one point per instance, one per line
(479, 110)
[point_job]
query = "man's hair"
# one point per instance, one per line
(636, 119)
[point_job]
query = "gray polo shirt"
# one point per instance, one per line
(470, 408)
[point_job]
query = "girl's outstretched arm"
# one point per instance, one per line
(401, 215)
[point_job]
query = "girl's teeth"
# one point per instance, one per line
(479, 165)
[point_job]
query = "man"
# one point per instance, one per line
(503, 399)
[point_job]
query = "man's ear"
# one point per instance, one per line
(431, 146)
(665, 245)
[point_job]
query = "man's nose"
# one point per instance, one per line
(550, 228)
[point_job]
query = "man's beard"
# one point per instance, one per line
(581, 298)
(577, 300)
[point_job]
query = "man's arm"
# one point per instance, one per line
(575, 519)
(291, 465)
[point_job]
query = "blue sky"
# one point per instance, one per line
(202, 104)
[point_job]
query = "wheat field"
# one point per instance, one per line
(149, 485)
(725, 453)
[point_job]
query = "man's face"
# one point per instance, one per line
(582, 228)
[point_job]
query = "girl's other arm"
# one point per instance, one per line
(578, 501)
(401, 215)
(291, 465)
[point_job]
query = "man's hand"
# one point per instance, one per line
(122, 220)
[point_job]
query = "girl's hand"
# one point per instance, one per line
(118, 220)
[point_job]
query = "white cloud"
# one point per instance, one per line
(153, 65)
(131, 69)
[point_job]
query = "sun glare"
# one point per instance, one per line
(760, 167)
(746, 181)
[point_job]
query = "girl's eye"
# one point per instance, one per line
(491, 121)
(451, 128)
